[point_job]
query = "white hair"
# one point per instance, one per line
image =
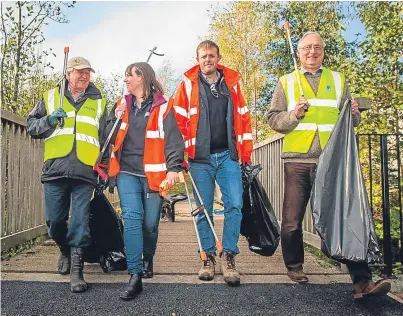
(310, 33)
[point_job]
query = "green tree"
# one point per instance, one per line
(379, 71)
(22, 58)
(112, 88)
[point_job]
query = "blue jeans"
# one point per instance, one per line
(59, 194)
(227, 173)
(141, 211)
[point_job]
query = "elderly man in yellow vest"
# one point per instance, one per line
(70, 154)
(307, 122)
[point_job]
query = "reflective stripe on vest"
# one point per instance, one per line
(82, 128)
(154, 147)
(323, 111)
(246, 136)
(155, 167)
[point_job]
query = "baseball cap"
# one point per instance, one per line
(79, 63)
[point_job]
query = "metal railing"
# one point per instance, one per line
(381, 163)
(268, 155)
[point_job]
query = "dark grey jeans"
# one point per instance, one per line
(298, 181)
(59, 195)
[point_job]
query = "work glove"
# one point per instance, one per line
(101, 185)
(55, 116)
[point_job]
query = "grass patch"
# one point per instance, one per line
(6, 255)
(324, 262)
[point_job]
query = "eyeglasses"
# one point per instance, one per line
(213, 90)
(308, 48)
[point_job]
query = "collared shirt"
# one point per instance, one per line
(79, 97)
(207, 81)
(306, 72)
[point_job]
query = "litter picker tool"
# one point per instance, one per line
(63, 85)
(97, 166)
(288, 32)
(196, 212)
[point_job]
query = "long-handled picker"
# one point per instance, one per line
(288, 32)
(63, 85)
(196, 212)
(98, 166)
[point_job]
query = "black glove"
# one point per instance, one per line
(102, 184)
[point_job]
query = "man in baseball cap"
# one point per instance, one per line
(69, 156)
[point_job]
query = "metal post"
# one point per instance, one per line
(371, 198)
(254, 86)
(387, 247)
(399, 188)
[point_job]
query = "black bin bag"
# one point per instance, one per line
(259, 224)
(106, 228)
(339, 200)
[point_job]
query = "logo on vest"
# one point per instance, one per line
(88, 108)
(328, 88)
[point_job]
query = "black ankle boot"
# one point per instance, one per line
(134, 287)
(64, 263)
(77, 283)
(148, 271)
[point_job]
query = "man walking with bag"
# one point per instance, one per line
(215, 123)
(307, 122)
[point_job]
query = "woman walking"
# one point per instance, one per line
(148, 149)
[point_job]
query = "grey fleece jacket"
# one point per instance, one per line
(69, 166)
(285, 122)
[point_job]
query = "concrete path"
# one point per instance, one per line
(30, 285)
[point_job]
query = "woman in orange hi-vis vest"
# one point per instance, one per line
(148, 148)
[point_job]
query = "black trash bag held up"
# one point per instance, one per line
(106, 228)
(259, 223)
(339, 201)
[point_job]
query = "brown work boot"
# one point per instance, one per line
(207, 271)
(369, 287)
(298, 276)
(231, 275)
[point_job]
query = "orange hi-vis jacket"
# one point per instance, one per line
(154, 154)
(186, 106)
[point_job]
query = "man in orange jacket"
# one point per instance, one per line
(215, 124)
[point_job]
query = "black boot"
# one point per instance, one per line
(63, 266)
(148, 271)
(77, 283)
(134, 287)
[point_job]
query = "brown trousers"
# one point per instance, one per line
(298, 181)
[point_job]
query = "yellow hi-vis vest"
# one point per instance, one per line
(81, 127)
(323, 111)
